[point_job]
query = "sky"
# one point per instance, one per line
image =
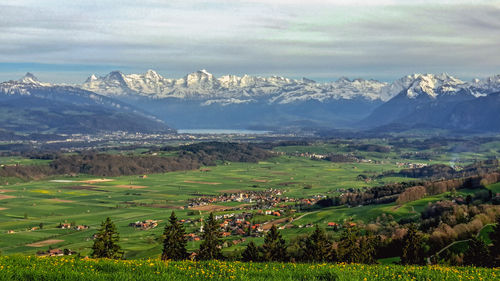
(66, 41)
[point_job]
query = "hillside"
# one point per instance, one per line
(30, 106)
(201, 100)
(439, 101)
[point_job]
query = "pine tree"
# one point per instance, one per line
(210, 248)
(348, 247)
(106, 242)
(174, 243)
(274, 248)
(317, 246)
(495, 240)
(477, 254)
(413, 249)
(251, 253)
(368, 246)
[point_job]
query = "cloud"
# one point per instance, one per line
(318, 39)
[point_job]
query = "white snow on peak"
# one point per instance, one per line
(22, 86)
(481, 87)
(231, 88)
(227, 89)
(425, 85)
(29, 78)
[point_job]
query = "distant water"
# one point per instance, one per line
(220, 131)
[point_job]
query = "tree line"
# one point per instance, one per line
(408, 191)
(353, 246)
(188, 157)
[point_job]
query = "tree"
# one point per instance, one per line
(210, 248)
(477, 254)
(317, 246)
(368, 246)
(413, 249)
(106, 242)
(495, 240)
(251, 253)
(274, 248)
(174, 240)
(348, 247)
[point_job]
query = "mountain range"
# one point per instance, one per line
(29, 106)
(201, 100)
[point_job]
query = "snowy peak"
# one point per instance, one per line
(153, 75)
(200, 78)
(235, 89)
(425, 85)
(29, 78)
(91, 78)
(115, 76)
(204, 86)
(481, 87)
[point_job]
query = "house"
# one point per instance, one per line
(55, 253)
(64, 226)
(10, 232)
(144, 225)
(81, 227)
(143, 176)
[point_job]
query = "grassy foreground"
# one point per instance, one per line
(63, 268)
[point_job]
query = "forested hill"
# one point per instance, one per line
(187, 157)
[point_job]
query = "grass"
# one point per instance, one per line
(17, 160)
(51, 203)
(495, 188)
(32, 268)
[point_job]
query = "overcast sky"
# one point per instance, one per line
(66, 41)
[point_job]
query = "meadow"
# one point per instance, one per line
(31, 211)
(33, 268)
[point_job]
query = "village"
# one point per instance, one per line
(270, 198)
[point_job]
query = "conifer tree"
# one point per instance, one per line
(495, 240)
(274, 248)
(348, 247)
(210, 248)
(106, 242)
(317, 246)
(413, 248)
(251, 253)
(174, 243)
(367, 247)
(477, 254)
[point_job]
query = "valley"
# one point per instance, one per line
(285, 190)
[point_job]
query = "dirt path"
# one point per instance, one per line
(44, 243)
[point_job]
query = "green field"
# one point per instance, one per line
(31, 268)
(64, 199)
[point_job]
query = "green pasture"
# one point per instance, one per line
(69, 268)
(126, 199)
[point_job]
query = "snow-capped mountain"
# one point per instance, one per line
(205, 86)
(425, 85)
(481, 87)
(201, 100)
(35, 106)
(430, 100)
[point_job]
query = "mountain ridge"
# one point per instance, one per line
(29, 105)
